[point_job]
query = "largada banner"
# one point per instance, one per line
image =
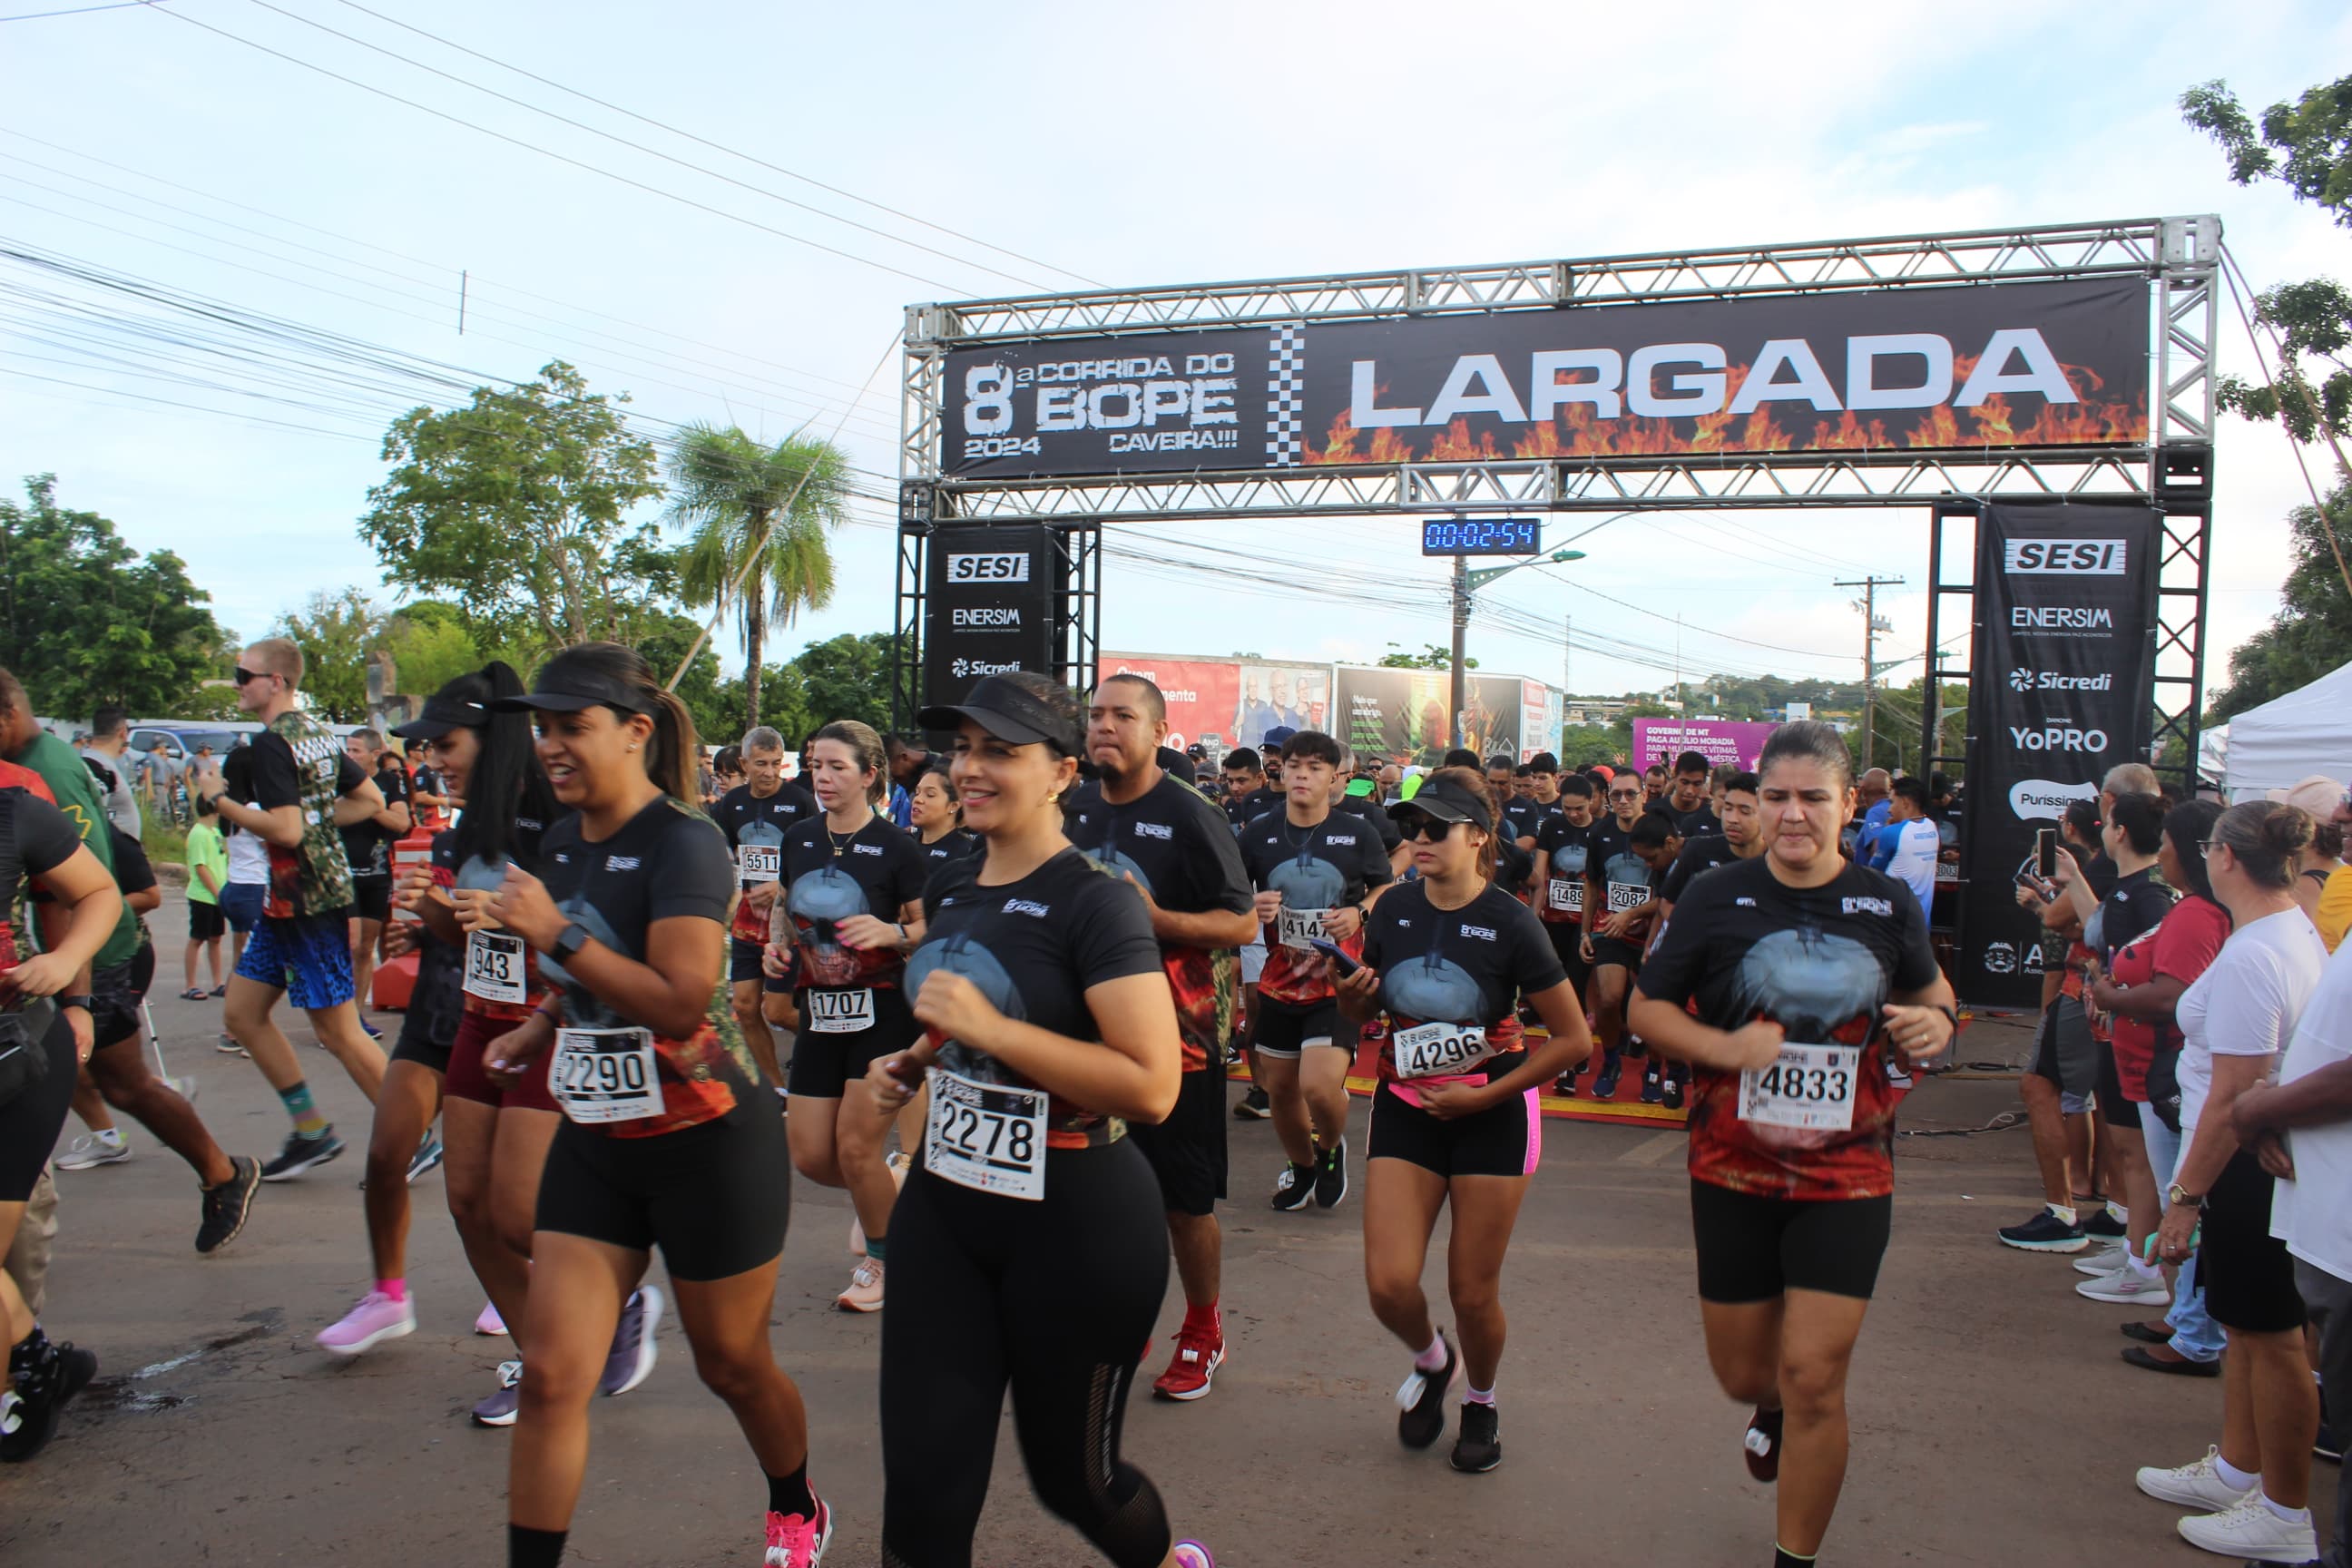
(1399, 715)
(1972, 366)
(989, 606)
(2063, 690)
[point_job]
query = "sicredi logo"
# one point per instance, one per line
(995, 566)
(2046, 800)
(2022, 679)
(2064, 557)
(963, 667)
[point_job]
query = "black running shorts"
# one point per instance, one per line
(1504, 1140)
(1753, 1248)
(715, 1198)
(1188, 1150)
(1285, 1028)
(823, 1065)
(743, 961)
(1609, 950)
(2247, 1273)
(116, 996)
(371, 899)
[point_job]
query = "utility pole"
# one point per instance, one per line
(1871, 627)
(1567, 654)
(1460, 698)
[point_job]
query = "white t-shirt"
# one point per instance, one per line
(2247, 1000)
(1913, 863)
(2312, 1213)
(249, 858)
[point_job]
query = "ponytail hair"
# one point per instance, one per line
(2268, 837)
(672, 757)
(507, 780)
(1471, 781)
(865, 747)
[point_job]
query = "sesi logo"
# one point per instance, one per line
(995, 566)
(2064, 557)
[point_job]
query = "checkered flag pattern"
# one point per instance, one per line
(1285, 396)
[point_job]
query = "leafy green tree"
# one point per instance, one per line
(1430, 658)
(663, 638)
(2313, 632)
(847, 677)
(336, 632)
(517, 505)
(756, 518)
(85, 621)
(1581, 745)
(427, 653)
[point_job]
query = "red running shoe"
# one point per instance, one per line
(1763, 1445)
(1199, 1353)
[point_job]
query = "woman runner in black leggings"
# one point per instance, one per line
(669, 1135)
(1049, 1021)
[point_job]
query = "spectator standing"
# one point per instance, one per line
(114, 764)
(2236, 1020)
(207, 862)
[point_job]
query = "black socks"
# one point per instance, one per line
(1784, 1558)
(528, 1548)
(790, 1495)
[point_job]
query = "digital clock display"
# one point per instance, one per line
(1481, 536)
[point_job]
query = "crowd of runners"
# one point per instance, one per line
(997, 995)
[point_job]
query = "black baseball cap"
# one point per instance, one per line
(569, 689)
(1445, 801)
(1277, 737)
(441, 715)
(1009, 712)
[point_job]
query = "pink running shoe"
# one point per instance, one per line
(795, 1542)
(490, 1322)
(374, 1319)
(1193, 1554)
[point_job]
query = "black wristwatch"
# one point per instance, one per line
(79, 999)
(568, 941)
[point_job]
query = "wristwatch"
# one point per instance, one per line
(568, 941)
(2177, 1196)
(79, 999)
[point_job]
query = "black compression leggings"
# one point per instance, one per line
(1057, 1298)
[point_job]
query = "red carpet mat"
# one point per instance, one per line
(1625, 1110)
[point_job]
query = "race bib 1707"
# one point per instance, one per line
(839, 1012)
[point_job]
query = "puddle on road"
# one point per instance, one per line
(122, 1393)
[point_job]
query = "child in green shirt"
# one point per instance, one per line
(207, 874)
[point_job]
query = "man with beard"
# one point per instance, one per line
(1317, 872)
(1142, 823)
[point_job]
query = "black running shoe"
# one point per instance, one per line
(1564, 1085)
(227, 1205)
(1604, 1082)
(48, 1375)
(1421, 1399)
(1331, 1176)
(1671, 1096)
(2096, 1221)
(1254, 1106)
(1654, 1086)
(302, 1154)
(1636, 1047)
(2045, 1232)
(1294, 1187)
(1762, 1445)
(1478, 1445)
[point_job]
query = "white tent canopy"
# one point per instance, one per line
(2286, 740)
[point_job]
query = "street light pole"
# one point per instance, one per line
(1465, 582)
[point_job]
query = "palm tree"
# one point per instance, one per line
(758, 517)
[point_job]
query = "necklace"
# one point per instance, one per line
(842, 841)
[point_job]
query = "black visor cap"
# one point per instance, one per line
(1008, 712)
(574, 691)
(1445, 801)
(441, 715)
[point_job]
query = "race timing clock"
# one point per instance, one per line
(1481, 536)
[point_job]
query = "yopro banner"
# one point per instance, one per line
(990, 605)
(2063, 690)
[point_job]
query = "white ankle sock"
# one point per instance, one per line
(1432, 1358)
(2292, 1515)
(2236, 1480)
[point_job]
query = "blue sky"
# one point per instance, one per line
(1129, 144)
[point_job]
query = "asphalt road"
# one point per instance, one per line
(1993, 1420)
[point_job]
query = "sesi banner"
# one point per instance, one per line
(2063, 690)
(989, 605)
(1972, 366)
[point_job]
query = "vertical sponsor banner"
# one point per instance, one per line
(989, 605)
(1737, 741)
(1535, 734)
(2063, 689)
(1203, 695)
(1399, 715)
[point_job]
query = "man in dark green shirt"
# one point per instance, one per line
(119, 978)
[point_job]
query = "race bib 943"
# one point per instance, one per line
(494, 971)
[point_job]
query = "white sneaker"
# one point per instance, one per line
(91, 1150)
(2106, 1260)
(2194, 1486)
(2250, 1530)
(2127, 1286)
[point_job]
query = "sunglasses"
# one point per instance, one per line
(245, 676)
(1425, 827)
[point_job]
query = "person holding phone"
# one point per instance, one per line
(1810, 974)
(1449, 960)
(1316, 873)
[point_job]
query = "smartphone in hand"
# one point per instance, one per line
(2045, 852)
(1336, 953)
